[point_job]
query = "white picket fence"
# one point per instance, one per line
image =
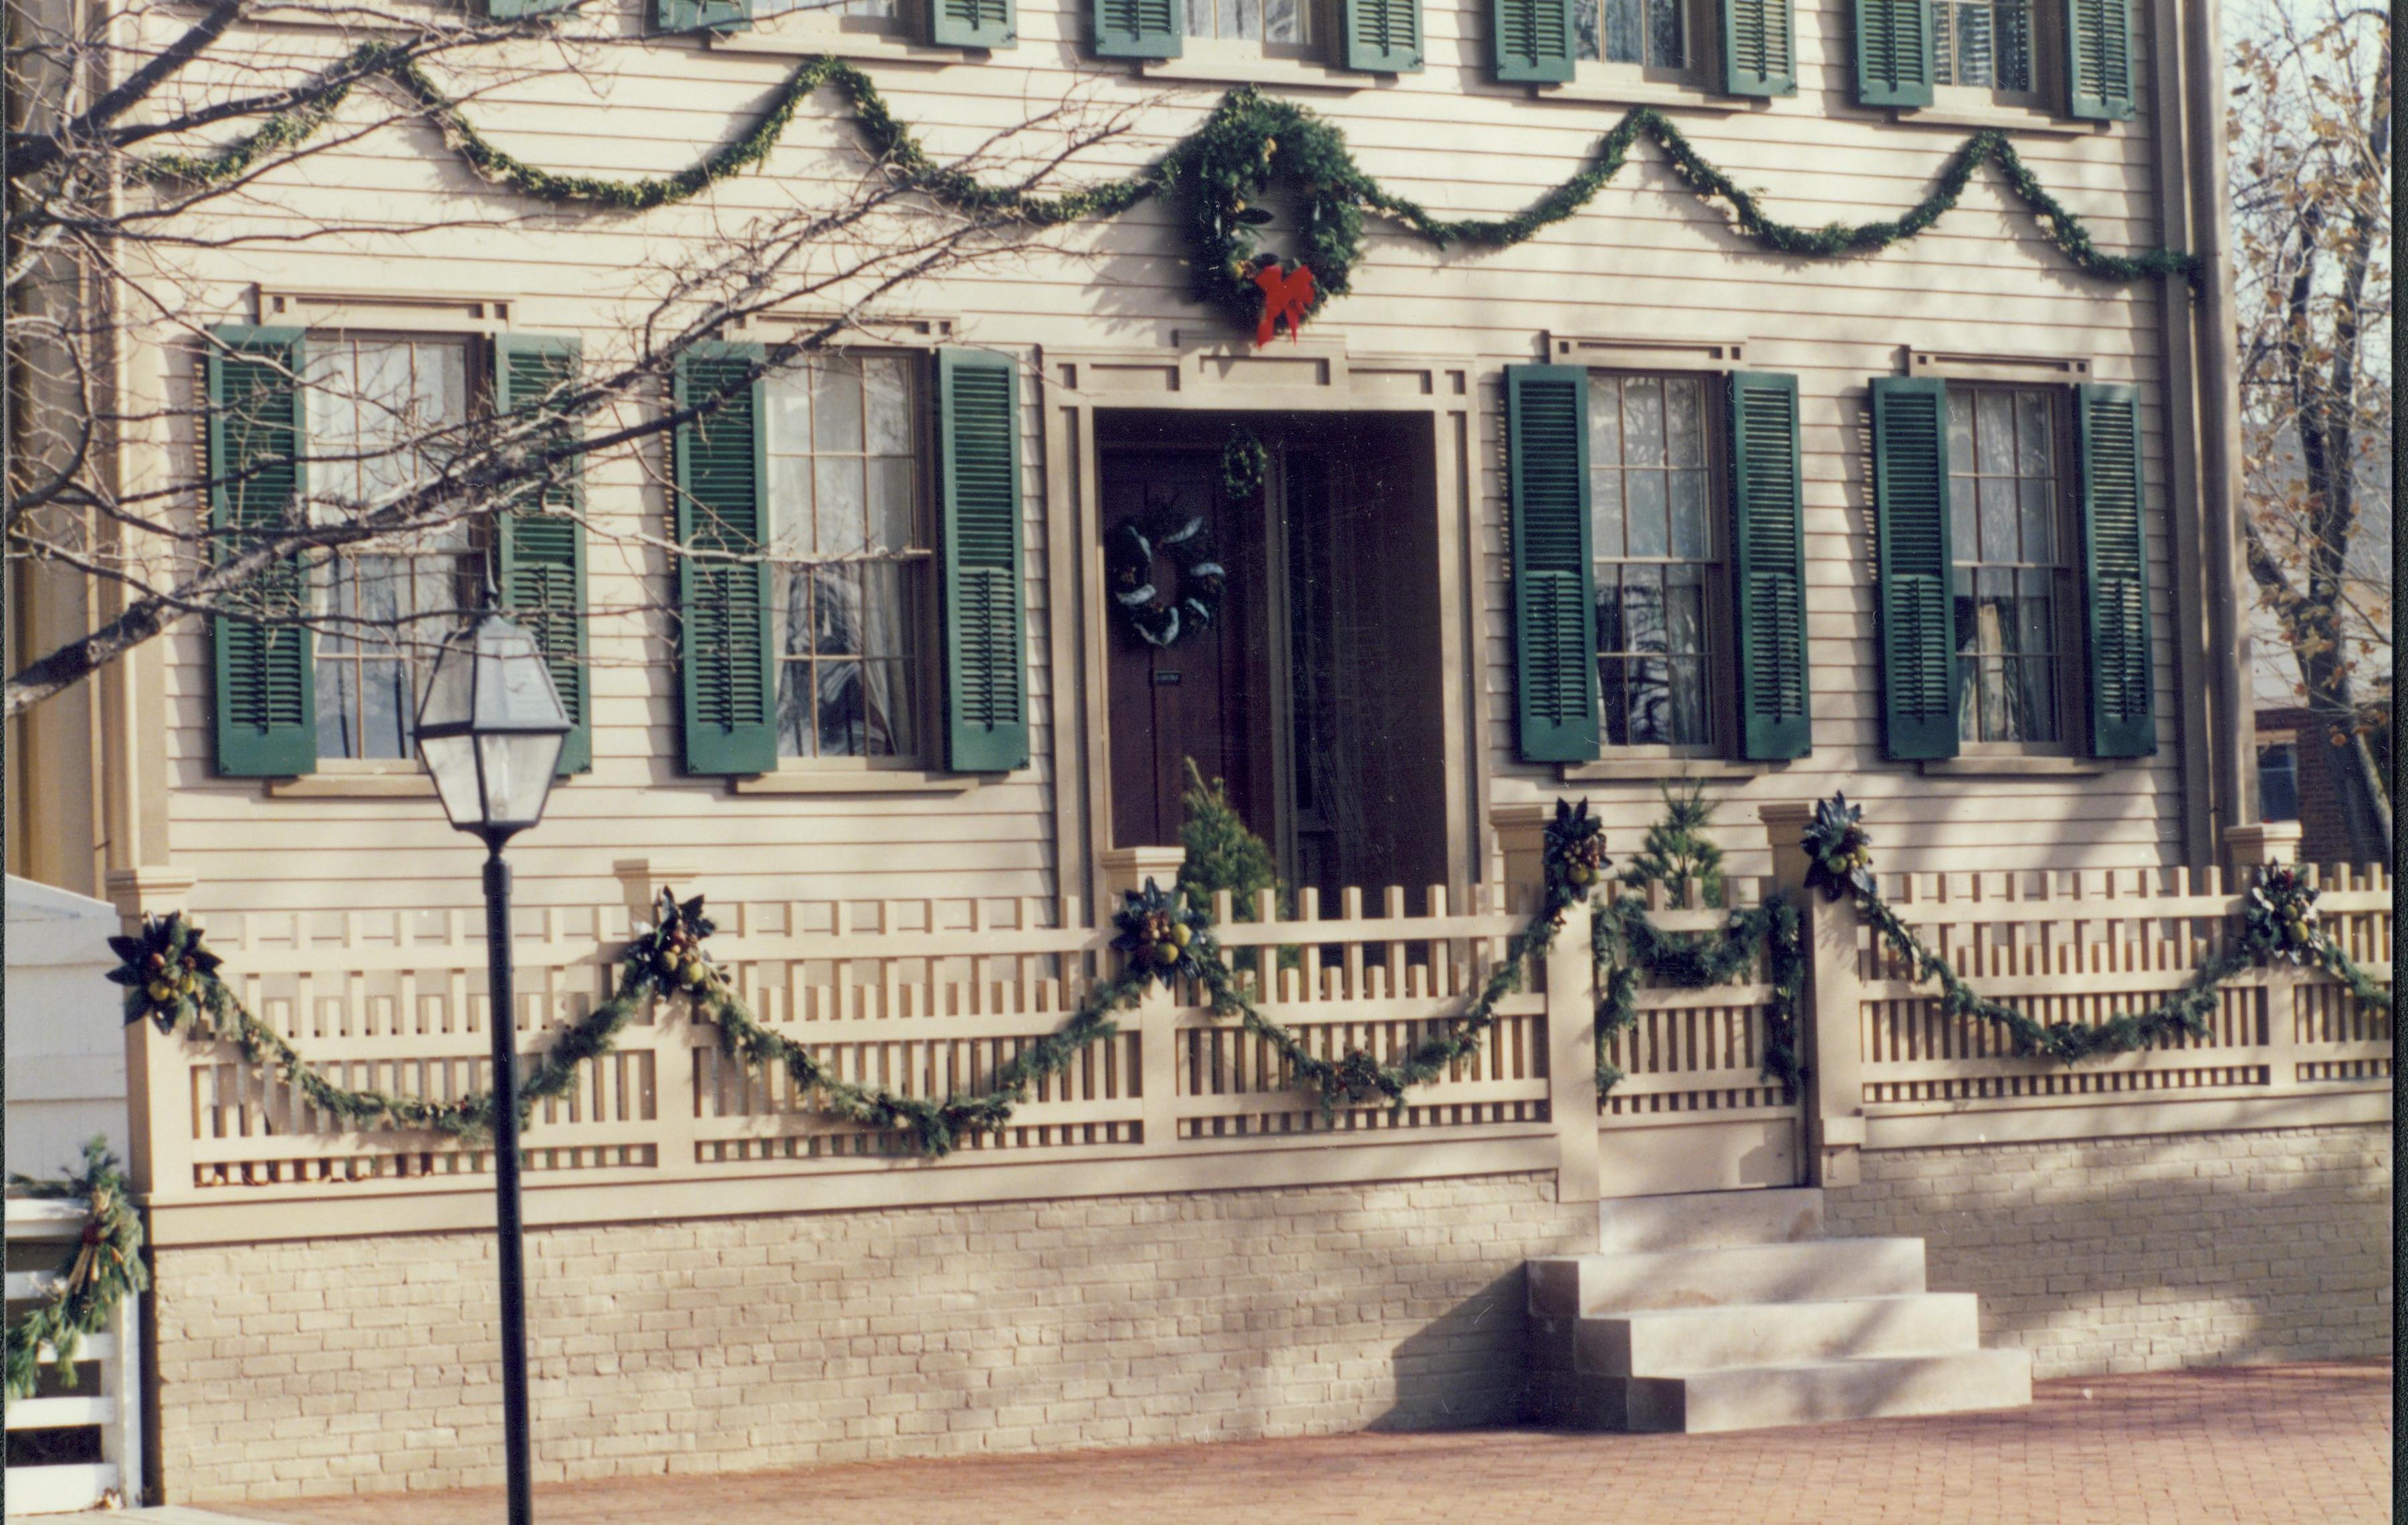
(108, 1398)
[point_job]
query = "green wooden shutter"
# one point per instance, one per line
(1760, 48)
(727, 669)
(1893, 53)
(693, 15)
(266, 694)
(2116, 565)
(541, 545)
(973, 23)
(1554, 589)
(2099, 60)
(1532, 41)
(978, 474)
(1912, 558)
(1137, 28)
(1383, 36)
(1769, 571)
(504, 10)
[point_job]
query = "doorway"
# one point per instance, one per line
(1314, 692)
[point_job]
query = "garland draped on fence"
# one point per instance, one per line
(1216, 176)
(2278, 924)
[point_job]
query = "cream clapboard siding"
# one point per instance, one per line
(1646, 259)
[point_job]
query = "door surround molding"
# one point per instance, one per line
(1227, 375)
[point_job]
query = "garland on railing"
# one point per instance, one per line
(2278, 924)
(1625, 944)
(1217, 176)
(103, 1269)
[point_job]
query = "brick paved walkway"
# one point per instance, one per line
(2310, 1444)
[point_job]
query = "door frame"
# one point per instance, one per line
(1221, 375)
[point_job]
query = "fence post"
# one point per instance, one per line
(1831, 1103)
(1157, 1017)
(677, 1102)
(158, 1070)
(1569, 979)
(2248, 848)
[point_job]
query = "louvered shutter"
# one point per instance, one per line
(1383, 36)
(1554, 590)
(692, 15)
(2099, 60)
(1894, 53)
(541, 545)
(973, 23)
(2116, 565)
(978, 470)
(1912, 558)
(1760, 48)
(727, 669)
(1137, 28)
(503, 10)
(1768, 570)
(265, 691)
(1532, 41)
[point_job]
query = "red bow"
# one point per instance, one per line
(1286, 294)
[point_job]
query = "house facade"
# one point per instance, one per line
(1667, 486)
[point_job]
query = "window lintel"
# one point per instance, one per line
(405, 312)
(1637, 355)
(2026, 370)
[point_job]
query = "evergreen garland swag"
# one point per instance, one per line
(1217, 177)
(101, 1270)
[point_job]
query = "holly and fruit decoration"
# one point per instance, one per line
(672, 951)
(1164, 938)
(1839, 849)
(1574, 853)
(2280, 915)
(166, 971)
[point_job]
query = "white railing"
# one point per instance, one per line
(101, 1419)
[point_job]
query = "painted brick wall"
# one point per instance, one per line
(341, 1365)
(2138, 1254)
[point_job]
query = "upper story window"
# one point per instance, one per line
(2012, 573)
(1982, 43)
(2278, 775)
(378, 410)
(1656, 567)
(1256, 21)
(848, 528)
(1652, 33)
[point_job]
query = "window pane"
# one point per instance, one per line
(1605, 423)
(1689, 514)
(790, 502)
(1686, 705)
(2032, 454)
(836, 610)
(2036, 709)
(2039, 523)
(1962, 526)
(1249, 19)
(790, 413)
(1642, 421)
(1649, 535)
(1622, 42)
(1609, 610)
(887, 387)
(1998, 518)
(886, 714)
(384, 705)
(2015, 67)
(2039, 606)
(1282, 21)
(1684, 609)
(892, 523)
(1651, 721)
(1584, 37)
(1685, 409)
(339, 695)
(1203, 19)
(1960, 431)
(1642, 607)
(1664, 48)
(798, 714)
(1994, 434)
(883, 630)
(1616, 701)
(840, 709)
(1605, 513)
(836, 405)
(841, 513)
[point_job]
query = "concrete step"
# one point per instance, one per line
(1677, 1341)
(1810, 1271)
(1824, 1391)
(1709, 1220)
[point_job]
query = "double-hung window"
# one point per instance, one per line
(1285, 22)
(1983, 44)
(319, 655)
(1642, 33)
(1657, 564)
(2012, 557)
(1729, 47)
(850, 589)
(852, 565)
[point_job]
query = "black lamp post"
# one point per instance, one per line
(490, 731)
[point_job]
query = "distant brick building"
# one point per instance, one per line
(2297, 781)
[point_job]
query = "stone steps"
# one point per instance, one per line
(1729, 1311)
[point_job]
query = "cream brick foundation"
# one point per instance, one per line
(367, 1364)
(2136, 1254)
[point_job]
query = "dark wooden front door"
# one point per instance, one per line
(1205, 696)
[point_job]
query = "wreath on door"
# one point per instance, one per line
(1129, 553)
